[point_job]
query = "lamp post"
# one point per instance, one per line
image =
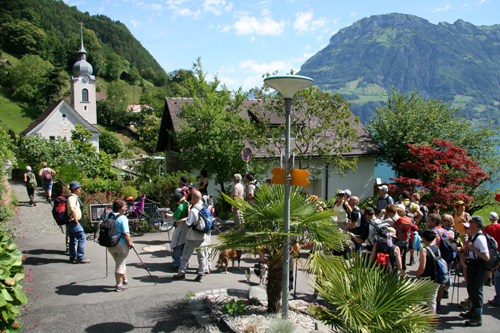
(159, 158)
(287, 86)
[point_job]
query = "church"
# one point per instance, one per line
(60, 118)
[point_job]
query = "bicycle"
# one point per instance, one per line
(149, 218)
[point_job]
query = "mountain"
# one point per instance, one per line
(459, 62)
(51, 29)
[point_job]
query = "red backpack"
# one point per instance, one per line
(47, 176)
(383, 259)
(403, 231)
(59, 210)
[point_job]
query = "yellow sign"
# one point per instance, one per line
(298, 177)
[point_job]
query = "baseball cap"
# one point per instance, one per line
(178, 197)
(369, 211)
(348, 192)
(493, 216)
(477, 220)
(341, 192)
(384, 187)
(192, 185)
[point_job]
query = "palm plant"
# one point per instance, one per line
(361, 297)
(263, 231)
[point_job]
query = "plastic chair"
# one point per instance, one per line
(138, 207)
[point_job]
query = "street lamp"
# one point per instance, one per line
(159, 158)
(287, 85)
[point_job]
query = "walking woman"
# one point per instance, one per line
(204, 182)
(45, 174)
(120, 251)
(30, 180)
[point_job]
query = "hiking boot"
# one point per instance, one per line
(179, 277)
(475, 322)
(446, 294)
(82, 261)
(122, 287)
(469, 314)
(412, 261)
(199, 278)
(465, 305)
(71, 259)
(488, 282)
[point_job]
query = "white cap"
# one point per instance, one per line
(348, 192)
(493, 216)
(384, 187)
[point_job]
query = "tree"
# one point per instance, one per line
(147, 134)
(212, 133)
(110, 143)
(134, 75)
(445, 174)
(55, 79)
(113, 66)
(321, 128)
(27, 80)
(23, 37)
(263, 231)
(113, 111)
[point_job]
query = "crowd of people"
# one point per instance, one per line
(389, 231)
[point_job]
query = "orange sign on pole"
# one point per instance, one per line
(299, 177)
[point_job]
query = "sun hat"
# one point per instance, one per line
(493, 216)
(384, 188)
(184, 180)
(74, 185)
(458, 203)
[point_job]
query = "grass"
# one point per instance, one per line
(485, 212)
(133, 91)
(15, 116)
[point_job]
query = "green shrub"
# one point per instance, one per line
(100, 185)
(368, 202)
(129, 191)
(11, 293)
(222, 207)
(162, 188)
(233, 307)
(110, 143)
(5, 214)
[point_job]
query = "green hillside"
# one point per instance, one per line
(459, 62)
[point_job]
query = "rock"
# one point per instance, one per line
(257, 295)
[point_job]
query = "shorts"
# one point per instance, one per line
(119, 254)
(47, 186)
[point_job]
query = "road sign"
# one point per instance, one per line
(298, 177)
(279, 176)
(246, 154)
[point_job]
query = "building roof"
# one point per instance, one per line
(365, 146)
(99, 96)
(43, 118)
(6, 62)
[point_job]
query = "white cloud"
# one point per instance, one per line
(265, 12)
(223, 29)
(217, 6)
(481, 2)
(447, 7)
(101, 9)
(189, 12)
(352, 14)
(262, 68)
(252, 39)
(304, 22)
(303, 58)
(319, 38)
(135, 23)
(266, 26)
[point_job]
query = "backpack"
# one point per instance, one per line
(257, 186)
(494, 255)
(32, 184)
(408, 212)
(204, 222)
(448, 247)
(425, 212)
(385, 255)
(47, 176)
(380, 198)
(108, 231)
(59, 210)
(403, 231)
(440, 267)
(380, 229)
(417, 241)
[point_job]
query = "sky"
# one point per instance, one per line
(239, 41)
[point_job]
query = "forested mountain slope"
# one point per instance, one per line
(459, 62)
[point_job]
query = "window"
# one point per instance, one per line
(85, 95)
(85, 108)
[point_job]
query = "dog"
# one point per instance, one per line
(226, 255)
(259, 270)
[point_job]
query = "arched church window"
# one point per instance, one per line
(85, 95)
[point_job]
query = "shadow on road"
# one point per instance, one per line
(74, 289)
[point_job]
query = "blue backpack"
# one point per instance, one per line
(448, 246)
(204, 222)
(440, 268)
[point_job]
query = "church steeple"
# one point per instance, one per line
(82, 67)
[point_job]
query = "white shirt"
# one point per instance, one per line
(192, 220)
(480, 244)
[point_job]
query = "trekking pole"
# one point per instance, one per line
(144, 265)
(106, 261)
(295, 289)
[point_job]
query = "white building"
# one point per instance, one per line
(60, 118)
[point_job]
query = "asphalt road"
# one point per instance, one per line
(80, 298)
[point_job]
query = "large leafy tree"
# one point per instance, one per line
(22, 37)
(263, 231)
(445, 174)
(320, 128)
(110, 143)
(212, 133)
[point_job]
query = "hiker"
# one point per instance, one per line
(404, 232)
(183, 186)
(384, 199)
(426, 266)
(237, 192)
(386, 246)
(251, 186)
(45, 174)
(341, 209)
(120, 251)
(194, 240)
(477, 251)
(179, 236)
(356, 214)
(203, 182)
(494, 231)
(30, 188)
(461, 217)
(75, 220)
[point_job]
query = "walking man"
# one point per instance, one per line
(238, 192)
(194, 240)
(76, 234)
(477, 251)
(384, 199)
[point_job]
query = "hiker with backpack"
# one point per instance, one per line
(195, 238)
(384, 199)
(31, 184)
(341, 209)
(251, 187)
(477, 254)
(119, 252)
(427, 267)
(45, 174)
(494, 231)
(461, 217)
(74, 226)
(385, 253)
(404, 233)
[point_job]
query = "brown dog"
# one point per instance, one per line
(226, 255)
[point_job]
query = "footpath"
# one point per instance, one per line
(80, 298)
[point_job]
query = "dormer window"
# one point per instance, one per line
(85, 95)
